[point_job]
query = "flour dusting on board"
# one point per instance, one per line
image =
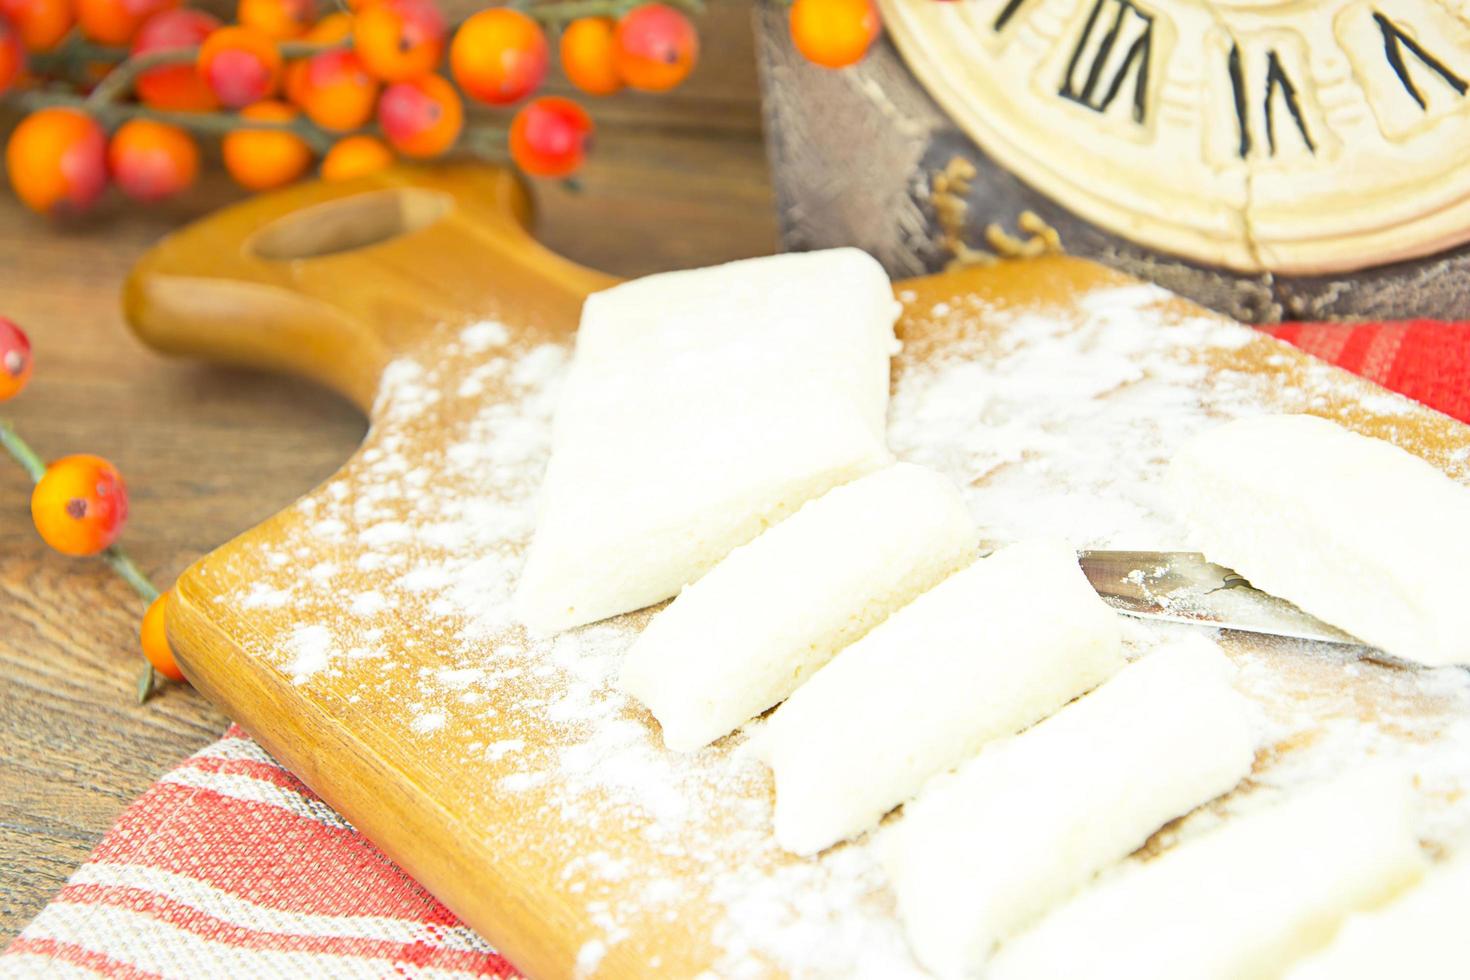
(1060, 423)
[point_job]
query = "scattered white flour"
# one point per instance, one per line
(310, 649)
(1052, 423)
(428, 721)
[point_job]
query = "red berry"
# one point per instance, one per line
(399, 40)
(80, 505)
(421, 118)
(151, 161)
(499, 56)
(57, 161)
(335, 90)
(15, 359)
(175, 87)
(114, 22)
(834, 33)
(153, 635)
(12, 54)
(550, 137)
(241, 65)
(657, 47)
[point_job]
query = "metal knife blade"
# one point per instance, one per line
(1182, 587)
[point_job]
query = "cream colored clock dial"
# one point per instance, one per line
(1300, 137)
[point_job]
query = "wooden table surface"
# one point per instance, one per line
(677, 180)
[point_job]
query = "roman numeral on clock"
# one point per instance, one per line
(1278, 90)
(1395, 41)
(1115, 48)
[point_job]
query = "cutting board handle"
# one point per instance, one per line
(334, 280)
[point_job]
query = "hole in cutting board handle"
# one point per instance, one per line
(349, 223)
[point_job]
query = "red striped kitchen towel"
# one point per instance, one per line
(1428, 360)
(230, 867)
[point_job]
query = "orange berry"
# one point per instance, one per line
(80, 504)
(116, 21)
(42, 23)
(15, 359)
(240, 64)
(499, 56)
(657, 47)
(329, 30)
(12, 54)
(153, 635)
(57, 159)
(355, 156)
(399, 40)
(589, 55)
(334, 90)
(280, 20)
(421, 118)
(834, 33)
(176, 87)
(151, 161)
(550, 137)
(260, 159)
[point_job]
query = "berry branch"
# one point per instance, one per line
(113, 554)
(112, 114)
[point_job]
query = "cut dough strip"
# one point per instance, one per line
(702, 407)
(1421, 935)
(984, 852)
(749, 632)
(983, 654)
(1354, 530)
(1241, 902)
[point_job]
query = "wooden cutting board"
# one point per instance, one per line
(360, 634)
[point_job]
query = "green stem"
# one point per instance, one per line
(484, 141)
(560, 11)
(147, 683)
(130, 573)
(210, 123)
(119, 82)
(33, 464)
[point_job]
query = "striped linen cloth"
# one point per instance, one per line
(230, 867)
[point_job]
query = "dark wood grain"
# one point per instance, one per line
(676, 181)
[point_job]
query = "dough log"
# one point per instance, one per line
(985, 653)
(750, 631)
(1241, 902)
(984, 852)
(1421, 935)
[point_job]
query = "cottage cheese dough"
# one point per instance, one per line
(750, 631)
(1420, 935)
(983, 654)
(1354, 530)
(1241, 902)
(702, 407)
(984, 852)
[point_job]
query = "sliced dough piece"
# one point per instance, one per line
(750, 631)
(1420, 935)
(981, 854)
(702, 407)
(1354, 530)
(1241, 902)
(983, 654)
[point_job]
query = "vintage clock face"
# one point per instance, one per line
(1299, 137)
